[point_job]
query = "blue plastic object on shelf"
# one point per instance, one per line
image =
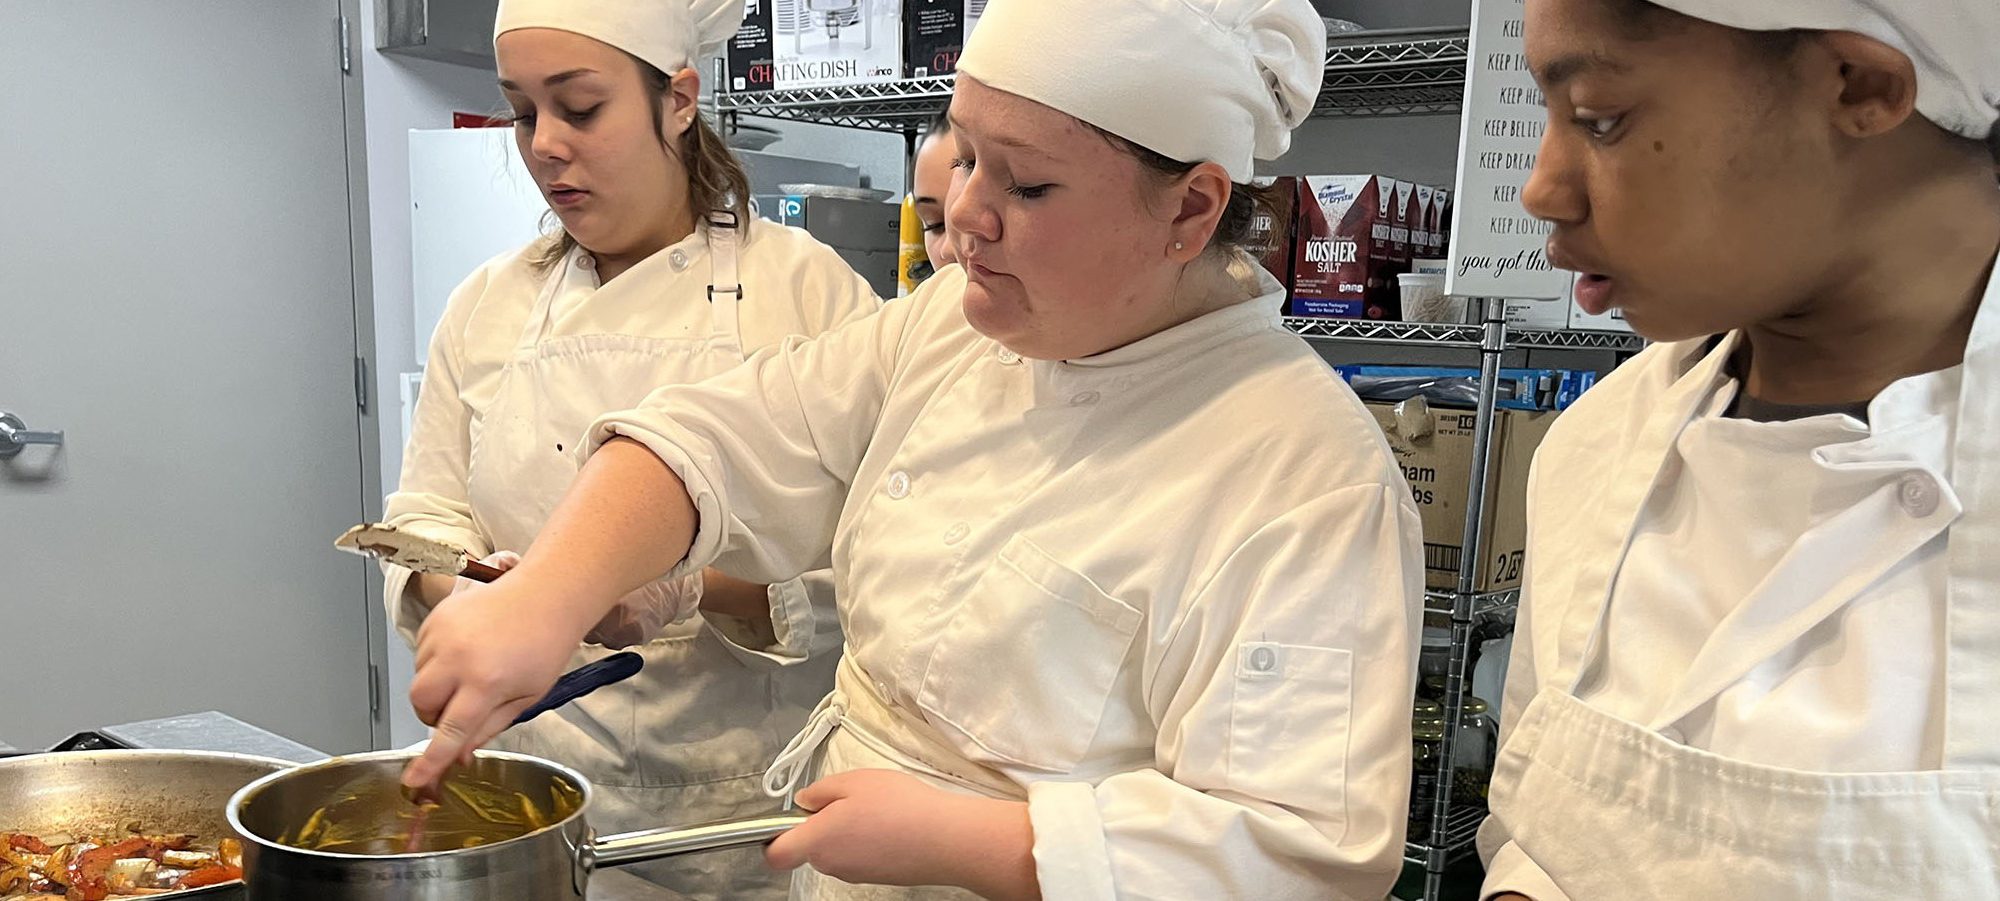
(1445, 386)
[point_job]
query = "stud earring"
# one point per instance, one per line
(1179, 246)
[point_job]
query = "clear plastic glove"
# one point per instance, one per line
(643, 614)
(639, 616)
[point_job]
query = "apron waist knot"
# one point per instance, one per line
(793, 766)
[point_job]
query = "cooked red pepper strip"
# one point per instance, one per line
(213, 874)
(21, 841)
(86, 874)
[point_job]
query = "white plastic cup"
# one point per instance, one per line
(1424, 299)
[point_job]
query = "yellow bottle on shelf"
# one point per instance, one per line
(910, 255)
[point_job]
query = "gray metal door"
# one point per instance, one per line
(176, 296)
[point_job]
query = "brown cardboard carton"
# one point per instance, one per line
(1271, 236)
(837, 43)
(1335, 270)
(1433, 447)
(1447, 206)
(934, 34)
(1344, 262)
(1421, 223)
(1401, 226)
(751, 52)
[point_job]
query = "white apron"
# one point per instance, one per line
(1611, 809)
(686, 740)
(855, 729)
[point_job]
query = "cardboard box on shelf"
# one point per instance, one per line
(749, 52)
(1383, 230)
(1272, 235)
(1402, 226)
(834, 43)
(1420, 223)
(1440, 224)
(1433, 447)
(1343, 242)
(1447, 205)
(934, 33)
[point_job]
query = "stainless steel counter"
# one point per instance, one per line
(210, 731)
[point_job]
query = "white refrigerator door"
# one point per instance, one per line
(470, 201)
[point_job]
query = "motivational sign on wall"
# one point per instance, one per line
(1497, 249)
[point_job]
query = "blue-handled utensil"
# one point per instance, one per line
(582, 681)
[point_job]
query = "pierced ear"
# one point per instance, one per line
(1878, 85)
(1205, 192)
(683, 100)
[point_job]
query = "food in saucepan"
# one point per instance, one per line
(370, 816)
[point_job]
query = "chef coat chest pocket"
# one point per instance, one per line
(1024, 669)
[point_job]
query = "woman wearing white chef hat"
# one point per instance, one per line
(657, 275)
(1128, 576)
(1759, 653)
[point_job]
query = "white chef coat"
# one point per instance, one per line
(1757, 659)
(1735, 498)
(1167, 594)
(520, 363)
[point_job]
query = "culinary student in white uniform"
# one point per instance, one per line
(931, 184)
(1128, 576)
(1759, 652)
(655, 276)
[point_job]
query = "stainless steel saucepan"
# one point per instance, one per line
(554, 862)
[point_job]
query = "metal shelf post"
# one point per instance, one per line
(1478, 498)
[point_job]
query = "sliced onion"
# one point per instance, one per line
(130, 873)
(167, 878)
(231, 852)
(187, 860)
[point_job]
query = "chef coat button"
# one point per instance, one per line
(899, 485)
(1674, 735)
(585, 261)
(1084, 399)
(679, 259)
(1263, 660)
(957, 533)
(1009, 357)
(1918, 495)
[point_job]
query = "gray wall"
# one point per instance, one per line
(178, 296)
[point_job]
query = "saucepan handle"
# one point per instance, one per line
(653, 844)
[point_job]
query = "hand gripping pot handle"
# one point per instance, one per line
(653, 844)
